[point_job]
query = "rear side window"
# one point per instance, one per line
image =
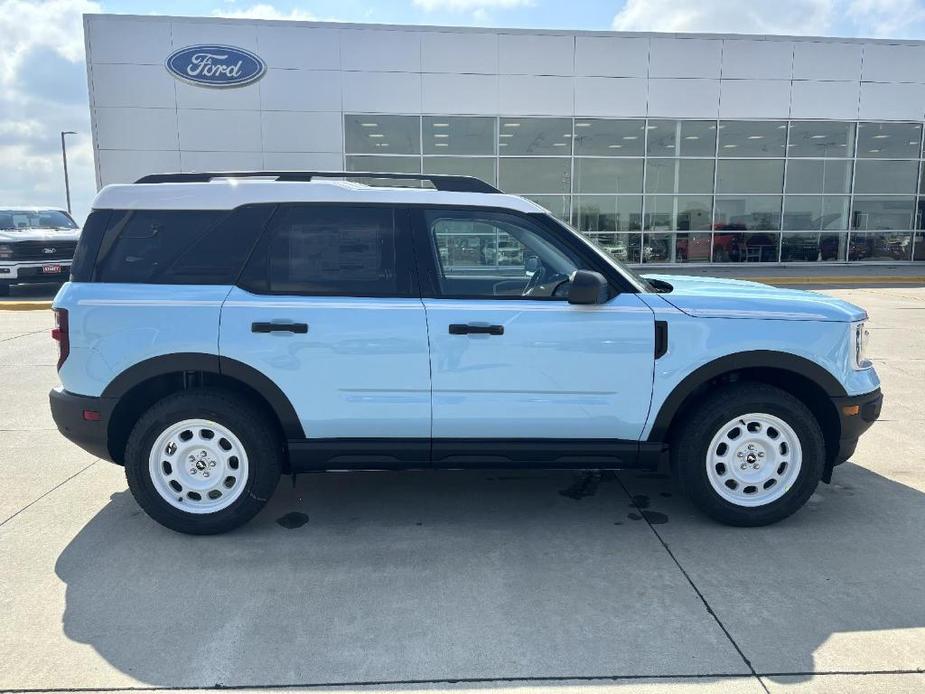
(327, 250)
(89, 244)
(178, 246)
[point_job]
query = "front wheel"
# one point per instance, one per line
(749, 455)
(202, 462)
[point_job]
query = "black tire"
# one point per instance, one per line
(690, 446)
(255, 432)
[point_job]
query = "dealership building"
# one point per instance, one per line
(664, 148)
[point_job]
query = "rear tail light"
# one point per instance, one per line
(61, 335)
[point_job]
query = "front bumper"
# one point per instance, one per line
(29, 272)
(68, 411)
(856, 414)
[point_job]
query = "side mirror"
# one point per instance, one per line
(587, 287)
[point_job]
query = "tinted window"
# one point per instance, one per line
(89, 245)
(332, 251)
(140, 245)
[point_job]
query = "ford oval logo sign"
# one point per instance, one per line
(216, 66)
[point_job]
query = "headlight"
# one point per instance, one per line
(859, 339)
(6, 251)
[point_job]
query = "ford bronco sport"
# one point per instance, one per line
(221, 329)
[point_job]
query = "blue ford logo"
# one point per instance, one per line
(216, 66)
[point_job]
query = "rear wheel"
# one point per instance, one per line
(749, 455)
(202, 462)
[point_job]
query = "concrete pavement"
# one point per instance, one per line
(465, 581)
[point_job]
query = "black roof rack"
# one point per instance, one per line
(456, 184)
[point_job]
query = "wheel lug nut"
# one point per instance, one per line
(211, 463)
(205, 473)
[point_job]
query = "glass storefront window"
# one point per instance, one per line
(558, 205)
(380, 134)
(886, 140)
(821, 139)
(458, 135)
(535, 175)
(535, 136)
(738, 247)
(623, 247)
(882, 212)
(819, 176)
(750, 176)
(881, 245)
(480, 167)
(810, 212)
(679, 175)
(609, 138)
(608, 176)
(752, 138)
(388, 165)
(676, 248)
(810, 248)
(744, 212)
(681, 138)
(608, 212)
(885, 176)
(678, 213)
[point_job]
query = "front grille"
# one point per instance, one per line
(43, 250)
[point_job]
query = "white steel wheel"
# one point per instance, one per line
(753, 460)
(198, 466)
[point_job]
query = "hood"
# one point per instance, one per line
(8, 236)
(712, 297)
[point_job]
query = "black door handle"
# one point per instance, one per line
(300, 328)
(463, 329)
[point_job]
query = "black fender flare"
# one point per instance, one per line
(784, 361)
(214, 364)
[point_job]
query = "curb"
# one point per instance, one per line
(836, 280)
(25, 305)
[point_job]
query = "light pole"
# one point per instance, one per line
(67, 186)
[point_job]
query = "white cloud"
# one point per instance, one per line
(888, 18)
(42, 92)
(729, 16)
(470, 5)
(265, 11)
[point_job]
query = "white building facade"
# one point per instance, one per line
(664, 148)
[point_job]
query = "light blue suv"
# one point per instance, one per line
(221, 329)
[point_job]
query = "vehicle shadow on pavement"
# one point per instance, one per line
(448, 576)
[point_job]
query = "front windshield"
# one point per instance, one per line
(633, 277)
(16, 220)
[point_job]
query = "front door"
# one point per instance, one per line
(328, 308)
(518, 373)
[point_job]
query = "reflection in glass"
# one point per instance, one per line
(380, 134)
(458, 135)
(609, 176)
(609, 138)
(737, 247)
(623, 247)
(821, 139)
(819, 176)
(807, 212)
(549, 136)
(886, 176)
(805, 248)
(882, 212)
(480, 167)
(558, 205)
(752, 138)
(387, 165)
(885, 140)
(682, 212)
(747, 212)
(676, 248)
(679, 176)
(681, 138)
(608, 212)
(749, 176)
(880, 246)
(535, 175)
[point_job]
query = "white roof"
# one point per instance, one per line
(226, 194)
(23, 208)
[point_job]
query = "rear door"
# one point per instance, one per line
(519, 374)
(328, 308)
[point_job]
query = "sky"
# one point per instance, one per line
(43, 81)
